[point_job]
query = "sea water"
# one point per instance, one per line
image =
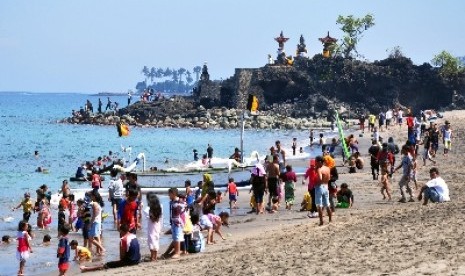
(29, 122)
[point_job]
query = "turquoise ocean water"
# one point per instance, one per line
(29, 122)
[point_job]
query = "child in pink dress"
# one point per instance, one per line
(24, 248)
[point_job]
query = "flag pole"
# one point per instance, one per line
(242, 135)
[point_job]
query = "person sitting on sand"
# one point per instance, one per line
(345, 197)
(306, 204)
(129, 252)
(435, 190)
(81, 253)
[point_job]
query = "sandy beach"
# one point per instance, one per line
(375, 237)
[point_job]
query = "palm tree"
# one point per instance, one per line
(181, 72)
(168, 72)
(189, 78)
(197, 70)
(160, 73)
(152, 74)
(146, 72)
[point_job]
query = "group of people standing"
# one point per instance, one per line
(383, 156)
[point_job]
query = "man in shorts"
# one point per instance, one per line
(321, 188)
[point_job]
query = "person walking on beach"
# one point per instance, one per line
(209, 154)
(259, 187)
(129, 98)
(407, 166)
(321, 189)
(96, 222)
(272, 175)
(373, 151)
(294, 145)
(312, 180)
(24, 247)
(289, 188)
(115, 193)
(281, 155)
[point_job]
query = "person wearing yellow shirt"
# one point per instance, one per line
(371, 122)
(27, 206)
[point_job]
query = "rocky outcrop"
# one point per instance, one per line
(302, 96)
(180, 112)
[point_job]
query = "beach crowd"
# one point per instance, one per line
(193, 216)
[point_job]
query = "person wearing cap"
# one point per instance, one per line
(446, 133)
(27, 205)
(321, 188)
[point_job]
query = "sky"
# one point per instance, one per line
(93, 46)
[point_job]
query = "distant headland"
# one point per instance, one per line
(301, 92)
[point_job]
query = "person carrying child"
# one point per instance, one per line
(27, 205)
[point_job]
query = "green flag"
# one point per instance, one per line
(345, 149)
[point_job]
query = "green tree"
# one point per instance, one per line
(396, 52)
(353, 29)
(449, 66)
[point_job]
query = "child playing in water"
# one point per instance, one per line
(24, 247)
(233, 193)
(81, 252)
(46, 240)
(154, 215)
(27, 205)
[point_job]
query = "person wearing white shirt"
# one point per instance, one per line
(435, 190)
(388, 118)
